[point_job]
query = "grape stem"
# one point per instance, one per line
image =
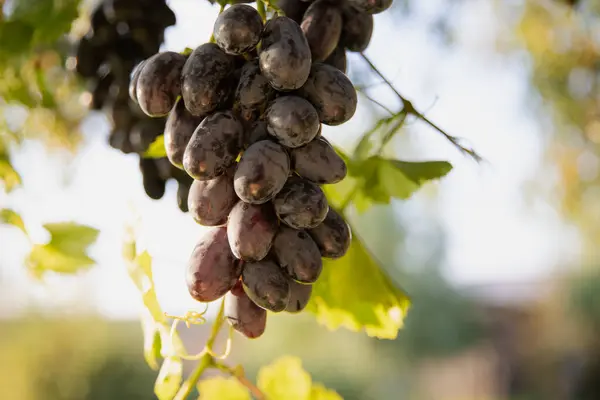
(408, 107)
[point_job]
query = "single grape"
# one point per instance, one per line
(322, 26)
(183, 191)
(238, 289)
(159, 83)
(332, 94)
(179, 128)
(301, 204)
(299, 297)
(293, 9)
(357, 31)
(211, 201)
(266, 285)
(292, 120)
(370, 6)
(251, 229)
(212, 269)
(214, 146)
(253, 92)
(135, 75)
(297, 254)
(154, 184)
(237, 30)
(337, 59)
(333, 235)
(261, 172)
(284, 57)
(318, 162)
(245, 316)
(203, 79)
(256, 133)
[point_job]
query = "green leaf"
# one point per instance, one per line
(187, 51)
(66, 252)
(222, 389)
(140, 272)
(157, 148)
(10, 217)
(169, 378)
(354, 293)
(8, 176)
(285, 379)
(152, 341)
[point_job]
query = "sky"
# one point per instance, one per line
(496, 233)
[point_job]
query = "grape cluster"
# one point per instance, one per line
(244, 118)
(122, 34)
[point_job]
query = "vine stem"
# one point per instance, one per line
(207, 359)
(410, 109)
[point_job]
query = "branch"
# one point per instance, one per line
(410, 109)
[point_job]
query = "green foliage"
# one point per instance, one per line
(10, 217)
(9, 177)
(157, 148)
(66, 252)
(222, 389)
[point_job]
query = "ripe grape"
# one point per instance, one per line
(237, 30)
(214, 146)
(301, 204)
(266, 285)
(183, 191)
(211, 201)
(297, 254)
(135, 75)
(357, 31)
(261, 172)
(322, 26)
(245, 316)
(256, 133)
(253, 92)
(370, 6)
(203, 78)
(179, 129)
(143, 134)
(318, 162)
(293, 9)
(238, 288)
(284, 57)
(337, 59)
(212, 269)
(154, 184)
(292, 120)
(159, 83)
(299, 297)
(333, 235)
(251, 229)
(332, 94)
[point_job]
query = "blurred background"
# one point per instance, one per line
(501, 259)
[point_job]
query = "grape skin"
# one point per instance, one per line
(333, 235)
(245, 316)
(331, 93)
(285, 57)
(297, 254)
(211, 201)
(214, 146)
(301, 204)
(299, 297)
(203, 78)
(154, 185)
(251, 230)
(318, 162)
(253, 92)
(293, 9)
(371, 6)
(322, 26)
(292, 120)
(212, 269)
(337, 59)
(159, 83)
(261, 172)
(179, 128)
(357, 31)
(135, 75)
(237, 30)
(256, 133)
(266, 285)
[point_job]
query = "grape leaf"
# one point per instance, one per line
(222, 389)
(10, 217)
(169, 378)
(152, 341)
(66, 252)
(354, 293)
(157, 148)
(285, 379)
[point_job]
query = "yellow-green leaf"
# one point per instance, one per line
(220, 388)
(45, 258)
(320, 392)
(187, 51)
(8, 176)
(152, 341)
(285, 379)
(353, 292)
(157, 148)
(71, 238)
(10, 217)
(169, 379)
(140, 272)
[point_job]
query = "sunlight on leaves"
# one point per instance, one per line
(8, 176)
(10, 217)
(152, 341)
(352, 292)
(169, 378)
(157, 148)
(222, 389)
(320, 392)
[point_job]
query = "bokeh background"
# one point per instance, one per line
(500, 258)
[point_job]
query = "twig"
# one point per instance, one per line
(375, 101)
(241, 377)
(410, 109)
